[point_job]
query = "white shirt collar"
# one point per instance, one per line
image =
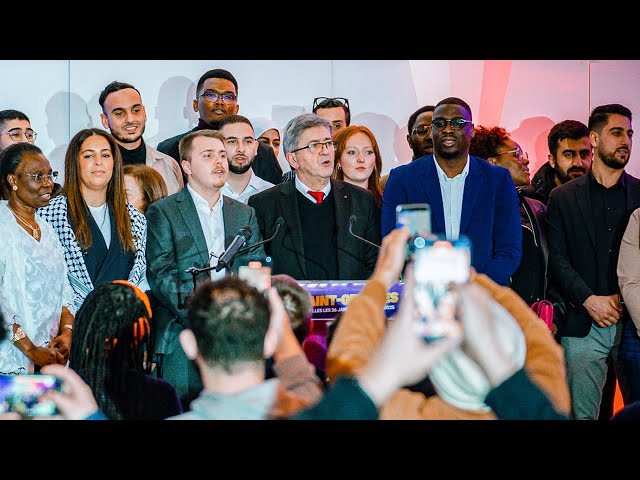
(201, 203)
(303, 189)
(443, 176)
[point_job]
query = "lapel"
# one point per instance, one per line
(430, 186)
(474, 183)
(632, 188)
(186, 207)
(583, 199)
(289, 210)
(342, 209)
(231, 221)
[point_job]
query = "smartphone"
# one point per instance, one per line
(23, 394)
(416, 216)
(438, 266)
(256, 274)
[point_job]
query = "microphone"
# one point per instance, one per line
(279, 223)
(353, 219)
(243, 236)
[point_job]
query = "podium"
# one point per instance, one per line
(331, 297)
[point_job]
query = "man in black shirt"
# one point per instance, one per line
(586, 219)
(216, 99)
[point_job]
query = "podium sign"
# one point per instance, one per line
(331, 297)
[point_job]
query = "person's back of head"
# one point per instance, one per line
(110, 338)
(485, 141)
(297, 302)
(229, 320)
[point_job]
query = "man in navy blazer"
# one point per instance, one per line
(467, 195)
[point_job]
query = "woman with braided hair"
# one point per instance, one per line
(111, 349)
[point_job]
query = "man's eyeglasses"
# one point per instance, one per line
(457, 123)
(214, 96)
(39, 177)
(422, 131)
(329, 102)
(518, 152)
(16, 135)
(316, 147)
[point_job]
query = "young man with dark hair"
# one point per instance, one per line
(216, 99)
(570, 157)
(586, 219)
(124, 115)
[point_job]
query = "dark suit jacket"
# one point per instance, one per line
(356, 259)
(265, 165)
(175, 242)
(572, 248)
(490, 211)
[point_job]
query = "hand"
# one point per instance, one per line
(605, 310)
(403, 357)
(391, 257)
(480, 335)
(62, 343)
(75, 402)
(45, 356)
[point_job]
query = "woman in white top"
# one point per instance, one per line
(35, 296)
(103, 236)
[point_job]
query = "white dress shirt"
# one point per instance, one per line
(255, 185)
(212, 223)
(303, 189)
(452, 190)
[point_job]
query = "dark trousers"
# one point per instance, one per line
(629, 355)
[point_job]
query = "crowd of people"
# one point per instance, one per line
(123, 280)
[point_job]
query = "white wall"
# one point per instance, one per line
(525, 97)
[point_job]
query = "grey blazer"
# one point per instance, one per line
(175, 242)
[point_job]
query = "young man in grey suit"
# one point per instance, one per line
(191, 228)
(315, 243)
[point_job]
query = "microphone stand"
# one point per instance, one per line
(194, 271)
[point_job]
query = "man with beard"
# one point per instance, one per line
(586, 219)
(467, 195)
(216, 99)
(418, 136)
(241, 147)
(124, 115)
(570, 157)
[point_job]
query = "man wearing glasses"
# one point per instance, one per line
(333, 109)
(216, 99)
(15, 127)
(318, 212)
(467, 195)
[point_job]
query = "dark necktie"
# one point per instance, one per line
(317, 195)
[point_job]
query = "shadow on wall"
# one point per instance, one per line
(60, 107)
(385, 129)
(173, 110)
(401, 146)
(531, 135)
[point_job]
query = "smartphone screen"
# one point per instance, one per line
(437, 266)
(256, 274)
(23, 394)
(416, 216)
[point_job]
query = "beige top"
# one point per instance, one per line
(629, 268)
(166, 166)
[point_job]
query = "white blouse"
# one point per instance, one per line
(33, 288)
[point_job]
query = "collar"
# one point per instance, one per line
(621, 183)
(303, 189)
(202, 125)
(201, 203)
(443, 176)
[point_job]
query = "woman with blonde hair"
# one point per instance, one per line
(104, 237)
(358, 160)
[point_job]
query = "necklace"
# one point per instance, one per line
(35, 231)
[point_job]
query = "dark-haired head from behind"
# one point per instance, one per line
(229, 320)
